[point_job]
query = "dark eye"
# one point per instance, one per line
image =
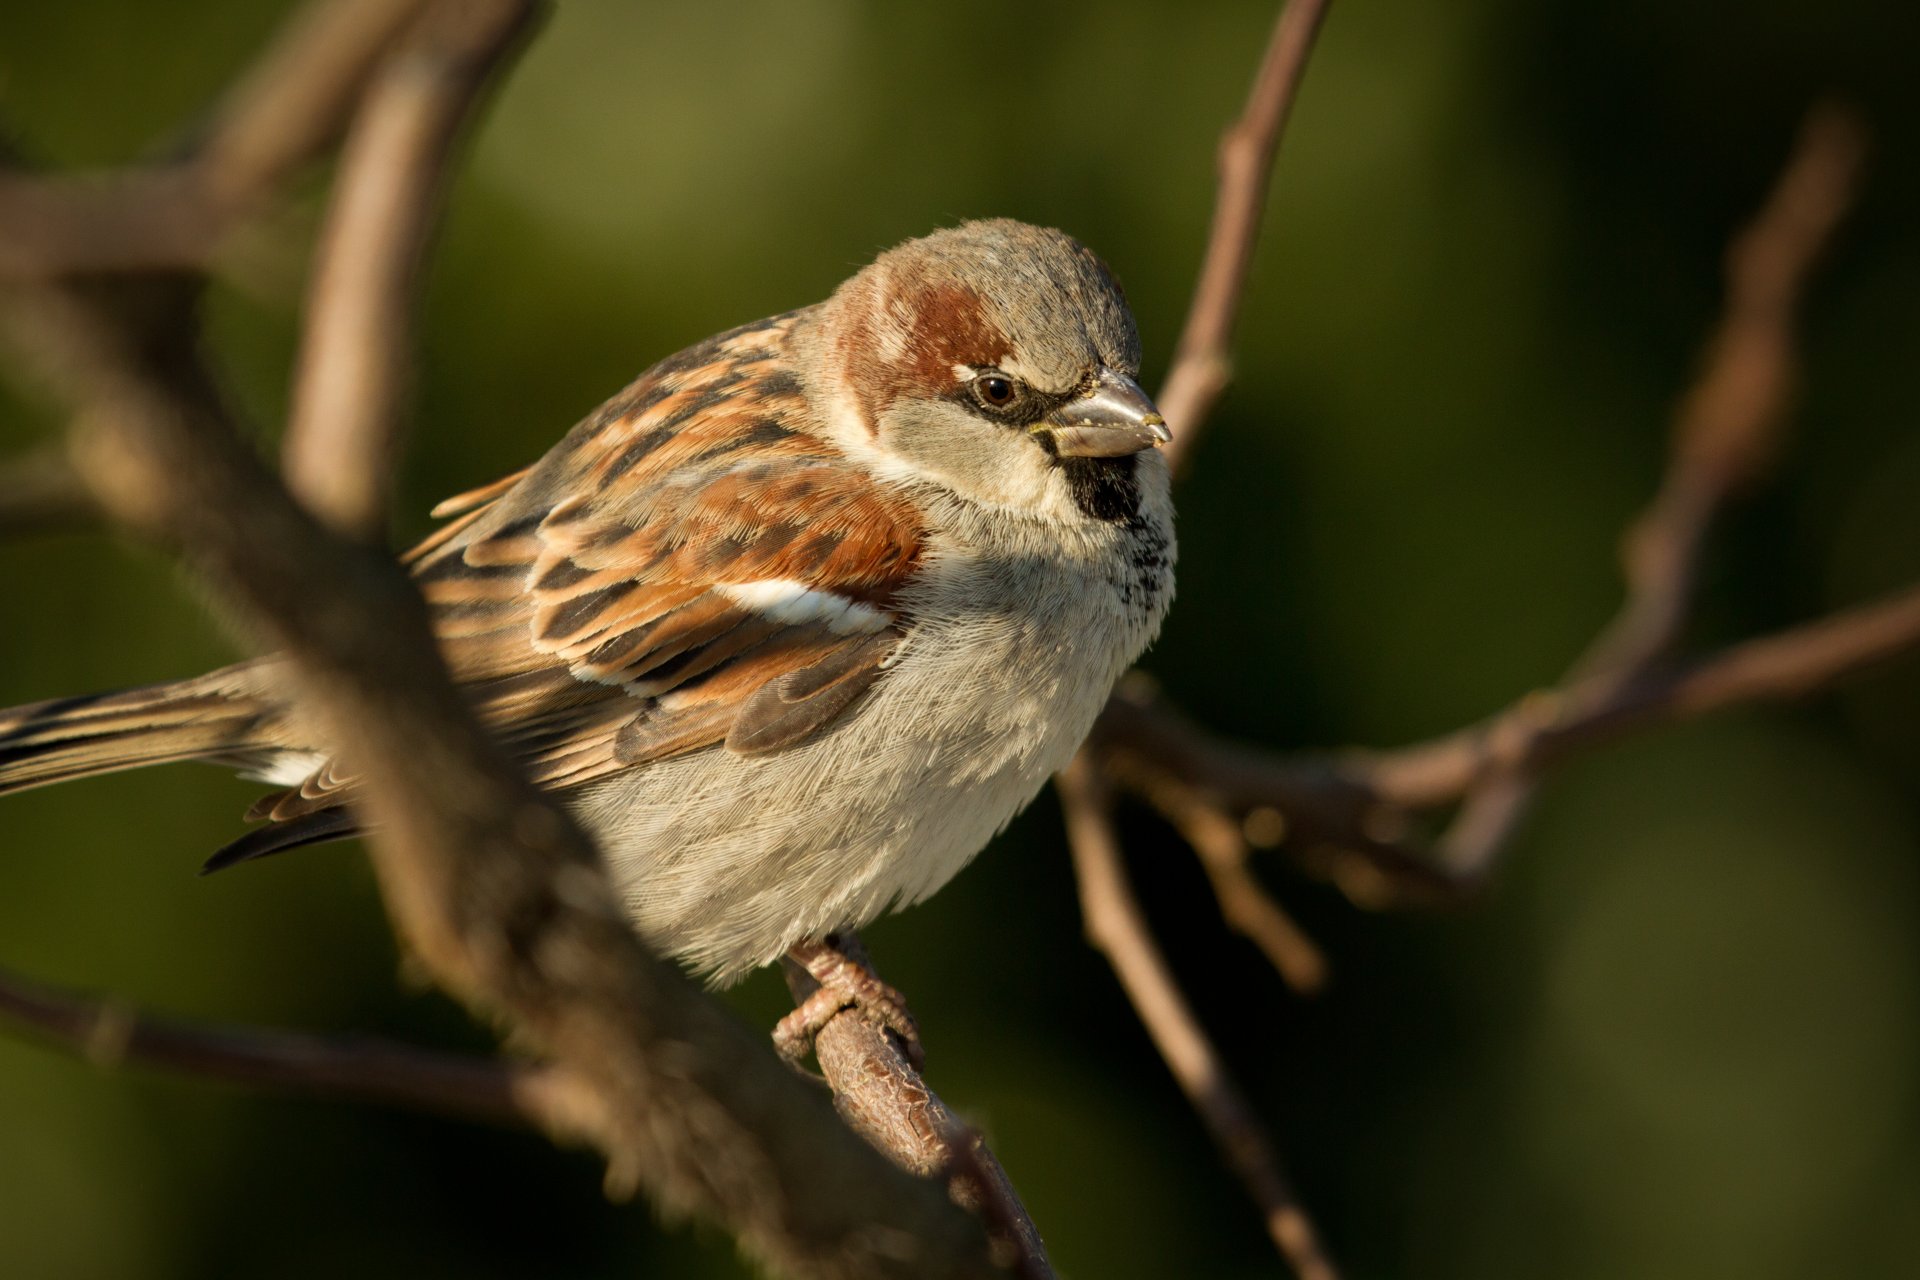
(995, 390)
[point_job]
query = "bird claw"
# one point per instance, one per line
(846, 981)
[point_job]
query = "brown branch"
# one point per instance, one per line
(1726, 429)
(286, 110)
(1348, 815)
(1350, 802)
(1116, 925)
(344, 425)
(110, 1034)
(1244, 902)
(880, 1094)
(1203, 362)
(1724, 434)
(499, 894)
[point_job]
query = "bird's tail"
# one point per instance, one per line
(220, 717)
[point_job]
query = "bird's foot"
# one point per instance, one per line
(846, 981)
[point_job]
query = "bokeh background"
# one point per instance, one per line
(1679, 1037)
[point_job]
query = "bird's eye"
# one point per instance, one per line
(995, 390)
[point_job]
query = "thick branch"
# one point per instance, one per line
(286, 110)
(344, 425)
(1116, 925)
(1203, 361)
(498, 892)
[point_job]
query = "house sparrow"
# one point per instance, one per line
(794, 624)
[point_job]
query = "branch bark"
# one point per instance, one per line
(1725, 435)
(889, 1103)
(496, 890)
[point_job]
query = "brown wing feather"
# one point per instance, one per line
(583, 603)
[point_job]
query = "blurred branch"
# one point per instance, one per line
(1116, 925)
(1244, 902)
(1203, 360)
(108, 1033)
(1358, 803)
(1349, 815)
(285, 111)
(1725, 434)
(502, 897)
(40, 493)
(344, 424)
(887, 1101)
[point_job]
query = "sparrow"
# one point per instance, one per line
(793, 625)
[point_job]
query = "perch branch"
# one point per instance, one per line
(497, 891)
(1118, 928)
(878, 1092)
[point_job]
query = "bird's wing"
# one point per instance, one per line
(688, 567)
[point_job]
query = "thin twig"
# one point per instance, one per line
(1344, 801)
(1245, 903)
(108, 1033)
(1347, 815)
(1116, 925)
(1724, 435)
(1203, 360)
(889, 1103)
(1727, 426)
(344, 423)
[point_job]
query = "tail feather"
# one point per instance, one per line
(214, 716)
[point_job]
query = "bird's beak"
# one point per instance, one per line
(1112, 420)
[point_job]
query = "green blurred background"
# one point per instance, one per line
(1678, 1039)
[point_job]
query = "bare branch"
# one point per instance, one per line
(1724, 435)
(344, 425)
(110, 1034)
(1116, 925)
(1356, 801)
(878, 1092)
(1725, 432)
(287, 109)
(1244, 901)
(1203, 363)
(295, 100)
(497, 891)
(1348, 815)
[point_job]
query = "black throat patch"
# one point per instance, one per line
(1104, 488)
